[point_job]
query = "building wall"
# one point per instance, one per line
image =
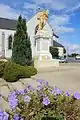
(7, 33)
(60, 51)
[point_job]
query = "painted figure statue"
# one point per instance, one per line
(42, 17)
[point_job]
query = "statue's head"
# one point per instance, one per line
(43, 15)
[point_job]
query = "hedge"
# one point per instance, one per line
(14, 72)
(2, 67)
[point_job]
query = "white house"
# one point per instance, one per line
(8, 28)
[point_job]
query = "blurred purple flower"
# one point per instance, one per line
(3, 115)
(25, 90)
(39, 87)
(29, 88)
(67, 94)
(44, 82)
(42, 94)
(13, 101)
(77, 96)
(27, 99)
(58, 91)
(46, 101)
(16, 117)
(40, 81)
(22, 92)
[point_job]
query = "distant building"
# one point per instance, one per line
(8, 28)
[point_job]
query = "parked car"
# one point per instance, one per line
(77, 57)
(62, 60)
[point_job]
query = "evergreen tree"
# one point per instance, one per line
(21, 52)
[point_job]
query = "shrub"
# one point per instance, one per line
(54, 51)
(14, 72)
(32, 70)
(43, 103)
(2, 67)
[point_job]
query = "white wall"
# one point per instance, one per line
(0, 43)
(8, 53)
(60, 51)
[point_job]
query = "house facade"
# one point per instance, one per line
(8, 28)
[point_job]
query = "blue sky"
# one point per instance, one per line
(64, 16)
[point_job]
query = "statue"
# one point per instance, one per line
(42, 17)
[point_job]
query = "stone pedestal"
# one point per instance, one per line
(43, 57)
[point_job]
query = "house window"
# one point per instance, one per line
(10, 42)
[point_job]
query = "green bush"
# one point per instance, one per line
(2, 67)
(32, 70)
(54, 51)
(14, 72)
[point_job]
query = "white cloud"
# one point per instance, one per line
(55, 4)
(8, 12)
(29, 6)
(63, 29)
(59, 24)
(59, 20)
(76, 47)
(68, 5)
(52, 4)
(74, 8)
(71, 48)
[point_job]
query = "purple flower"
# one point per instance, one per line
(40, 81)
(16, 117)
(42, 94)
(77, 96)
(13, 101)
(43, 82)
(39, 87)
(46, 83)
(67, 94)
(27, 99)
(29, 88)
(58, 91)
(22, 92)
(46, 101)
(3, 115)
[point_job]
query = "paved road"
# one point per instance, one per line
(67, 77)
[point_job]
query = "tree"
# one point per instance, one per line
(21, 52)
(54, 52)
(74, 54)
